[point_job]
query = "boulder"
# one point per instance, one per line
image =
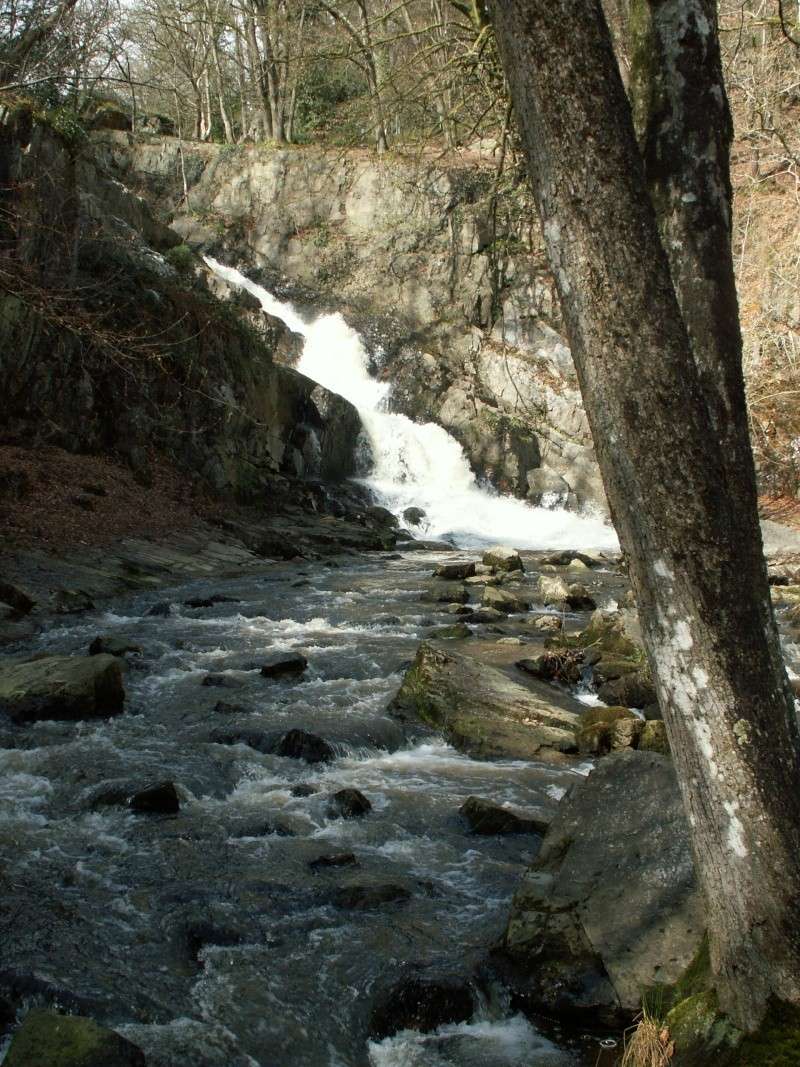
(605, 729)
(62, 687)
(558, 665)
(16, 597)
(445, 594)
(484, 817)
(381, 516)
(297, 744)
(304, 789)
(209, 601)
(552, 590)
(504, 600)
(284, 663)
(348, 804)
(547, 623)
(502, 558)
(568, 557)
(222, 681)
(483, 711)
(634, 689)
(457, 570)
(423, 1004)
(113, 646)
(160, 799)
(47, 1039)
(414, 516)
(579, 598)
(610, 908)
(484, 615)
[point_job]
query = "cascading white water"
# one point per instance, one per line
(417, 464)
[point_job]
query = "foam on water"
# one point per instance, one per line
(420, 464)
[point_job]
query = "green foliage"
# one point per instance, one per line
(180, 258)
(65, 122)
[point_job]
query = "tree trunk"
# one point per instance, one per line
(670, 443)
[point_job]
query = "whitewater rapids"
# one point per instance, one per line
(420, 464)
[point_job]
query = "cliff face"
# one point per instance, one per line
(111, 340)
(453, 294)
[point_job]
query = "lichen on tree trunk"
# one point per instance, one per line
(651, 317)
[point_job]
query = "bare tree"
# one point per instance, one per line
(667, 411)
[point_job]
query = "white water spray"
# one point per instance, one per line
(416, 464)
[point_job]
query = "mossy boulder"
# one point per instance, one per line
(483, 711)
(501, 558)
(605, 729)
(62, 687)
(46, 1039)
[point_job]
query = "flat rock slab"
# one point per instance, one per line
(483, 711)
(62, 687)
(611, 901)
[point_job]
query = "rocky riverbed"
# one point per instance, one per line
(297, 838)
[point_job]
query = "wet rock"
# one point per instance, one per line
(304, 789)
(71, 602)
(458, 609)
(160, 610)
(502, 558)
(484, 817)
(414, 516)
(263, 829)
(610, 907)
(457, 570)
(505, 601)
(256, 739)
(547, 623)
(222, 707)
(445, 595)
(422, 1004)
(160, 799)
(16, 597)
(567, 557)
(297, 744)
(456, 632)
(483, 711)
(381, 516)
(484, 615)
(634, 690)
(113, 646)
(334, 859)
(552, 590)
(348, 804)
(604, 730)
(46, 1039)
(282, 663)
(366, 897)
(222, 681)
(62, 687)
(482, 580)
(200, 933)
(209, 601)
(579, 598)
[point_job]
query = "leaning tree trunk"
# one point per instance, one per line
(670, 452)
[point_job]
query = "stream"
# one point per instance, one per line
(210, 929)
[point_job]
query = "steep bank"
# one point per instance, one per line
(112, 342)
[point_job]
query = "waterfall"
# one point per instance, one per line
(417, 464)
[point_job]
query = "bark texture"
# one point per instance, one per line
(674, 454)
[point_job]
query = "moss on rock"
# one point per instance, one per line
(46, 1039)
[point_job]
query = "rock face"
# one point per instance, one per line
(62, 687)
(46, 1039)
(215, 402)
(483, 711)
(610, 907)
(467, 335)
